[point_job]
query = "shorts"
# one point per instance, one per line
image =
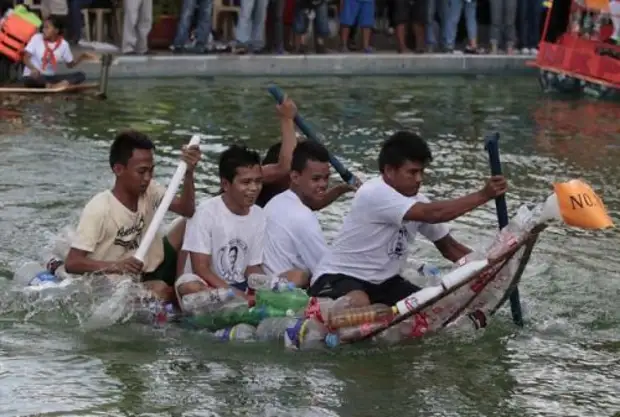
(360, 11)
(409, 11)
(388, 292)
(167, 269)
(321, 20)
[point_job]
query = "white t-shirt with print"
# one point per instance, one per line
(234, 242)
(110, 232)
(36, 49)
(372, 244)
(294, 237)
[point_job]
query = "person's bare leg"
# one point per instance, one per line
(300, 278)
(366, 32)
(160, 289)
(400, 39)
(344, 36)
(420, 37)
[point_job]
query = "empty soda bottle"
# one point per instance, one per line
(239, 333)
(266, 282)
(356, 316)
(203, 302)
(294, 300)
(352, 333)
(322, 308)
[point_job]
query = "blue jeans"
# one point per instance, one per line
(437, 7)
(321, 24)
(203, 27)
(529, 23)
(75, 17)
(251, 26)
(455, 10)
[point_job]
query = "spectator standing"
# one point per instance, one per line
(251, 26)
(54, 7)
(503, 19)
(276, 15)
(405, 12)
(361, 12)
(456, 9)
(530, 12)
(76, 19)
(304, 10)
(136, 26)
(203, 26)
(434, 8)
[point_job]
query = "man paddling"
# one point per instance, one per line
(294, 242)
(366, 257)
(114, 221)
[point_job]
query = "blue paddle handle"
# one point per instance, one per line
(345, 174)
(491, 144)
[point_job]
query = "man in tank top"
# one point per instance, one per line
(114, 221)
(366, 257)
(294, 243)
(224, 239)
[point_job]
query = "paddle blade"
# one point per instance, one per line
(576, 204)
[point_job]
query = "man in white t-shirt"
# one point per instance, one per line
(294, 243)
(114, 221)
(366, 257)
(43, 54)
(224, 238)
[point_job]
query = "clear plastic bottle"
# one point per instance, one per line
(356, 316)
(239, 333)
(475, 320)
(394, 334)
(431, 273)
(305, 334)
(203, 302)
(322, 308)
(350, 334)
(298, 333)
(516, 229)
(263, 282)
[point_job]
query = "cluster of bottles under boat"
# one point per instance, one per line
(285, 313)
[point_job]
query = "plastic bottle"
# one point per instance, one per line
(305, 334)
(155, 313)
(355, 316)
(203, 302)
(226, 318)
(239, 333)
(394, 334)
(349, 334)
(266, 282)
(294, 300)
(273, 328)
(321, 308)
(472, 321)
(515, 230)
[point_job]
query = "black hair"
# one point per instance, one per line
(402, 147)
(236, 156)
(125, 143)
(270, 190)
(58, 22)
(308, 151)
(273, 154)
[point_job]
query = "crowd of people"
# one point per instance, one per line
(282, 26)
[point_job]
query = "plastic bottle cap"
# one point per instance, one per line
(332, 340)
(291, 286)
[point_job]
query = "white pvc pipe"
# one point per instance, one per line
(171, 191)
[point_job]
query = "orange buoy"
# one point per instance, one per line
(15, 34)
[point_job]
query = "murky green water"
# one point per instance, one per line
(565, 362)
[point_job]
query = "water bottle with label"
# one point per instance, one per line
(360, 315)
(350, 334)
(322, 308)
(305, 334)
(239, 333)
(266, 282)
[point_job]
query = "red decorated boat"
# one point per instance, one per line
(580, 48)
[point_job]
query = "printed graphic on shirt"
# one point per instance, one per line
(397, 247)
(231, 260)
(129, 237)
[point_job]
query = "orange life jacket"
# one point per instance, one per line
(15, 33)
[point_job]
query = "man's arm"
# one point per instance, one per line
(331, 195)
(274, 172)
(451, 249)
(445, 211)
